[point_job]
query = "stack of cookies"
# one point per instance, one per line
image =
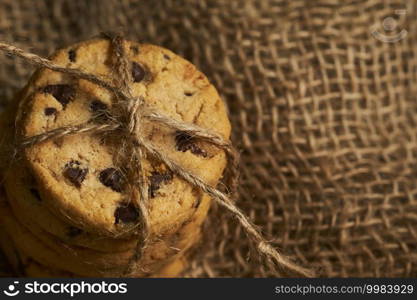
(64, 205)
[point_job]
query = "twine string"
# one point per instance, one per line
(130, 123)
(132, 108)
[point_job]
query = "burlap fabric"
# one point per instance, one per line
(323, 108)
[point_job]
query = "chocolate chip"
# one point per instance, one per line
(156, 180)
(74, 231)
(99, 110)
(188, 94)
(72, 55)
(63, 93)
(138, 73)
(167, 57)
(112, 178)
(75, 173)
(185, 142)
(135, 50)
(126, 213)
(97, 106)
(35, 193)
(50, 111)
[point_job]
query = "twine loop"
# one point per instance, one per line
(127, 117)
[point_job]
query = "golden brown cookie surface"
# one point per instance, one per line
(49, 251)
(28, 205)
(77, 174)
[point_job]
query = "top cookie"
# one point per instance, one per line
(77, 175)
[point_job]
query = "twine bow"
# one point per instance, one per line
(129, 120)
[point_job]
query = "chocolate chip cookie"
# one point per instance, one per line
(24, 265)
(160, 259)
(28, 205)
(77, 174)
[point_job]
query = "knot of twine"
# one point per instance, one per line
(131, 111)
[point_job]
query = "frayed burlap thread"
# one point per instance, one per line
(128, 122)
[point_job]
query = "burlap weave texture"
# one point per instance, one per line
(323, 112)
